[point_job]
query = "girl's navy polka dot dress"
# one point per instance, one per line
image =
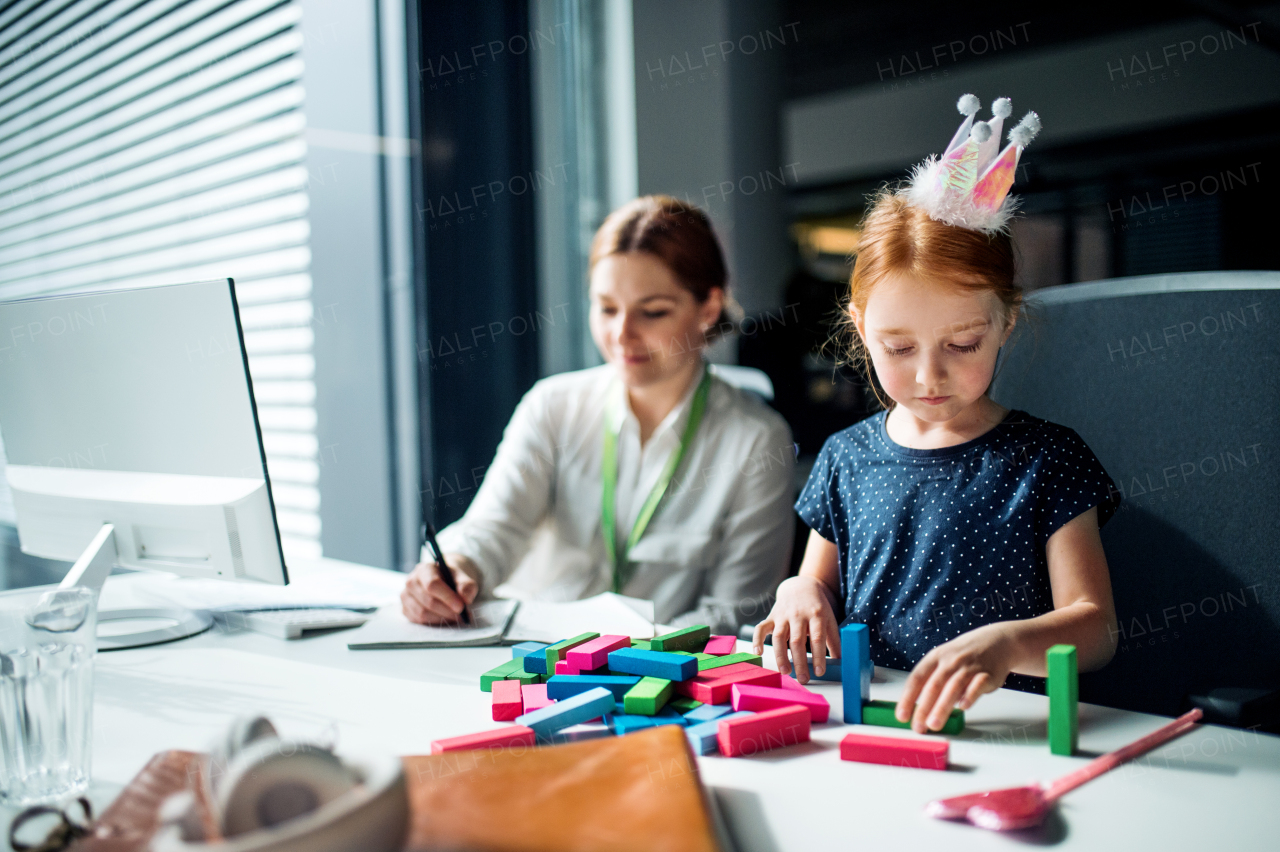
(934, 543)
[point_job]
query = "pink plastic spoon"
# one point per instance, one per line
(1025, 807)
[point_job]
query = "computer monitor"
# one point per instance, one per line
(131, 434)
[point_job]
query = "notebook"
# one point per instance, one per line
(509, 621)
(390, 629)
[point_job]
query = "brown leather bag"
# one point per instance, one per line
(640, 792)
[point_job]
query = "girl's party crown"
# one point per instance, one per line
(969, 185)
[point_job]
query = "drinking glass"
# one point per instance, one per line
(47, 643)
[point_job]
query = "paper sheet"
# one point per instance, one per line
(390, 629)
(539, 621)
(312, 585)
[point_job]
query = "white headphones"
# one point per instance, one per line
(267, 793)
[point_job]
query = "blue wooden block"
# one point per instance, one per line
(524, 649)
(624, 724)
(855, 646)
(676, 667)
(536, 663)
(706, 713)
(702, 736)
(567, 686)
(833, 669)
(583, 707)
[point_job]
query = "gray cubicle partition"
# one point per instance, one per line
(1173, 381)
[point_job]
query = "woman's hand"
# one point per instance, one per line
(955, 674)
(427, 599)
(803, 608)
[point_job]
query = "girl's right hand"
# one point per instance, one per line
(803, 609)
(427, 599)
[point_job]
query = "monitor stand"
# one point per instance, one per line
(129, 628)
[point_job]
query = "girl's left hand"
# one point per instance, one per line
(956, 673)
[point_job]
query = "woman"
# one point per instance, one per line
(588, 456)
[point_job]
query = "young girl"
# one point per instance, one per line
(965, 535)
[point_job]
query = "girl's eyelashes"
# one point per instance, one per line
(967, 349)
(655, 314)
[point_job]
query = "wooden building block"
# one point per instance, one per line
(564, 667)
(653, 664)
(500, 738)
(581, 733)
(722, 671)
(499, 673)
(747, 735)
(625, 723)
(728, 660)
(567, 686)
(704, 736)
(881, 713)
(789, 682)
(546, 664)
(524, 649)
(582, 707)
(711, 690)
(895, 751)
(535, 697)
(642, 644)
(832, 673)
(719, 646)
(508, 703)
(1063, 688)
(747, 697)
(595, 654)
(647, 697)
(682, 704)
(524, 677)
(706, 713)
(686, 639)
(855, 646)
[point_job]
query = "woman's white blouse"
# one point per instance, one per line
(715, 549)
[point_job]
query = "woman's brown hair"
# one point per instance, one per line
(900, 239)
(679, 235)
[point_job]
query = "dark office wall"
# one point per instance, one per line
(475, 188)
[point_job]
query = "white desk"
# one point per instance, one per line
(1214, 788)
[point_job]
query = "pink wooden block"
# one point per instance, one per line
(594, 654)
(535, 696)
(747, 697)
(565, 667)
(746, 735)
(512, 735)
(720, 646)
(895, 751)
(788, 682)
(508, 703)
(716, 690)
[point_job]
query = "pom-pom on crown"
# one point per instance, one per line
(968, 186)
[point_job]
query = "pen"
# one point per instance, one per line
(446, 573)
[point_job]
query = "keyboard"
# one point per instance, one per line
(295, 623)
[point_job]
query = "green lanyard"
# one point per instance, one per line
(607, 504)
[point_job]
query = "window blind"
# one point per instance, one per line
(161, 141)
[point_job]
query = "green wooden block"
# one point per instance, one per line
(686, 639)
(555, 653)
(647, 697)
(525, 678)
(727, 660)
(683, 705)
(881, 713)
(642, 644)
(500, 673)
(1064, 697)
(698, 654)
